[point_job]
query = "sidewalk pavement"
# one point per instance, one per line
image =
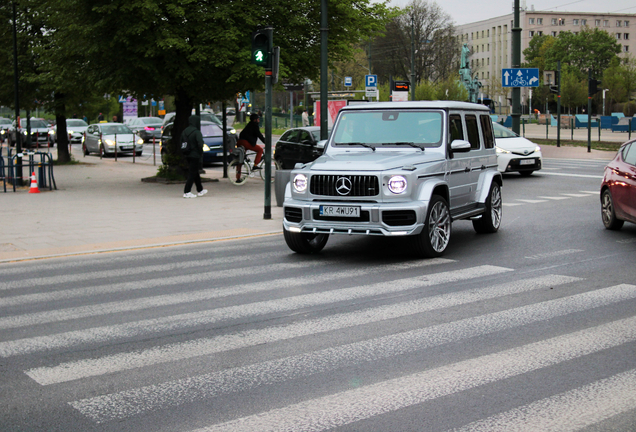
(103, 206)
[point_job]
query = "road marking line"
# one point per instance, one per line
(189, 320)
(591, 192)
(361, 403)
(554, 198)
(530, 201)
(575, 195)
(572, 175)
(511, 204)
(569, 411)
(174, 352)
(554, 254)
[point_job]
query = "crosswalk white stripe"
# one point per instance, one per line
(365, 402)
(136, 401)
(572, 175)
(530, 201)
(576, 195)
(554, 198)
(182, 321)
(567, 412)
(180, 351)
(136, 270)
(27, 320)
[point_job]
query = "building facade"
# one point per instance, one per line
(490, 41)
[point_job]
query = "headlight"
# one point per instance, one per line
(233, 131)
(537, 149)
(51, 132)
(109, 142)
(397, 184)
(300, 182)
(140, 141)
(205, 147)
(501, 151)
(24, 132)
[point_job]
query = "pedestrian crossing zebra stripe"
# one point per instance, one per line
(123, 361)
(46, 317)
(365, 402)
(568, 411)
(189, 320)
(155, 397)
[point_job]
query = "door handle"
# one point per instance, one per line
(467, 169)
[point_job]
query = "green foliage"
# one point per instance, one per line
(425, 90)
(590, 49)
(629, 109)
(573, 88)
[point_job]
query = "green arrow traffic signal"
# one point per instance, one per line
(261, 47)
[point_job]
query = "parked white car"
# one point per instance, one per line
(103, 137)
(515, 153)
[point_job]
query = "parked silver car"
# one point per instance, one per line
(103, 137)
(398, 169)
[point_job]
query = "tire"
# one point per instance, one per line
(305, 243)
(526, 173)
(608, 215)
(490, 221)
(435, 235)
(137, 154)
(239, 173)
(273, 170)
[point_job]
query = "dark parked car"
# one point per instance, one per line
(146, 127)
(209, 117)
(618, 191)
(5, 125)
(212, 142)
(298, 145)
(40, 132)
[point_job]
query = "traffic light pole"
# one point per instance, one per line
(559, 103)
(589, 111)
(516, 63)
(267, 213)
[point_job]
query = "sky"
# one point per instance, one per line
(468, 11)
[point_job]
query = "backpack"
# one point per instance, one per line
(186, 148)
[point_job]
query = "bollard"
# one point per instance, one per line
(547, 128)
(154, 154)
(115, 147)
(629, 135)
(572, 129)
(599, 130)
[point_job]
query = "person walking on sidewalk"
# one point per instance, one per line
(192, 134)
(248, 137)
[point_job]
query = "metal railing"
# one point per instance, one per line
(39, 162)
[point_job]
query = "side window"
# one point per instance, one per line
(304, 138)
(456, 129)
(293, 136)
(473, 132)
(629, 154)
(286, 136)
(486, 127)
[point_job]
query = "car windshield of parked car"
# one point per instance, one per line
(115, 129)
(389, 128)
(151, 120)
(75, 123)
(316, 134)
(210, 130)
(503, 132)
(5, 121)
(34, 123)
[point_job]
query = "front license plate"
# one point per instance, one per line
(526, 162)
(340, 211)
(126, 147)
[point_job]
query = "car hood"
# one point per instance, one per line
(515, 144)
(372, 161)
(121, 138)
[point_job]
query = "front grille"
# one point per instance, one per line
(293, 214)
(399, 217)
(344, 185)
(364, 217)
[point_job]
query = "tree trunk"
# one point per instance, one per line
(63, 155)
(183, 110)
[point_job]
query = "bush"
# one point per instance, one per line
(629, 109)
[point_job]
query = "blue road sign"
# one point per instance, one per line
(348, 82)
(371, 80)
(520, 77)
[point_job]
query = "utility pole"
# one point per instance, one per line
(412, 57)
(516, 63)
(324, 32)
(558, 103)
(18, 141)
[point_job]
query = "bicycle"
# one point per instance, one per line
(241, 168)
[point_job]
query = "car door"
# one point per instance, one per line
(476, 155)
(459, 164)
(92, 139)
(305, 147)
(627, 198)
(285, 148)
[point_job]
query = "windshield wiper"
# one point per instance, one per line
(412, 144)
(360, 144)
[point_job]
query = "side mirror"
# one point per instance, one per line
(460, 146)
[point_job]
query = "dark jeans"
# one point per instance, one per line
(193, 175)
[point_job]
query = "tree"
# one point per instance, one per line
(590, 49)
(573, 89)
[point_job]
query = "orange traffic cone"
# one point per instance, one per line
(34, 185)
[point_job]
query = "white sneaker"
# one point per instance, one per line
(189, 195)
(203, 192)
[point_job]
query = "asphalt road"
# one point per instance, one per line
(532, 328)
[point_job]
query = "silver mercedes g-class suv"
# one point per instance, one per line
(398, 169)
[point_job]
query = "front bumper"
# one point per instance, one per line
(124, 148)
(517, 163)
(379, 219)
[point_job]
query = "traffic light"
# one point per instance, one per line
(554, 89)
(592, 88)
(262, 47)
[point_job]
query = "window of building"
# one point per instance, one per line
(575, 22)
(488, 74)
(561, 21)
(476, 49)
(583, 22)
(605, 23)
(618, 35)
(530, 20)
(540, 33)
(488, 47)
(597, 22)
(471, 35)
(488, 33)
(482, 33)
(575, 33)
(625, 48)
(488, 61)
(555, 21)
(626, 36)
(554, 34)
(482, 47)
(540, 21)
(618, 23)
(626, 23)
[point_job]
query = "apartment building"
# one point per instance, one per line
(490, 40)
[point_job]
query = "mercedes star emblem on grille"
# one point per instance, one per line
(343, 186)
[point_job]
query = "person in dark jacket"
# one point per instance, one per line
(248, 137)
(192, 134)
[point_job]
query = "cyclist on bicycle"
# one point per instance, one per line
(249, 136)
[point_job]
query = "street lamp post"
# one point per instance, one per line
(604, 90)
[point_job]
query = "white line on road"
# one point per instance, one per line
(555, 254)
(189, 320)
(567, 412)
(573, 175)
(350, 406)
(175, 352)
(530, 201)
(554, 198)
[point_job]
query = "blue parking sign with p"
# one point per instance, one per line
(371, 80)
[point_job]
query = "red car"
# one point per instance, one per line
(618, 191)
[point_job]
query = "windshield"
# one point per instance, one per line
(391, 128)
(502, 132)
(115, 129)
(151, 120)
(210, 130)
(76, 123)
(34, 123)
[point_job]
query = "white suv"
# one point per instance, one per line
(398, 169)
